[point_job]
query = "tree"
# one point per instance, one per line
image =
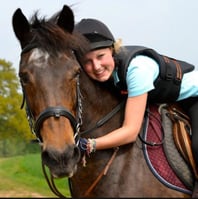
(13, 121)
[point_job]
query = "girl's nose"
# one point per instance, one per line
(96, 65)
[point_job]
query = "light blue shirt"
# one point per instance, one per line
(143, 71)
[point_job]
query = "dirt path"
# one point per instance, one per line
(14, 194)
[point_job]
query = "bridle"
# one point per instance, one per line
(76, 122)
(58, 111)
(52, 111)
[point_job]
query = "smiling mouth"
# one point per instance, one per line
(100, 73)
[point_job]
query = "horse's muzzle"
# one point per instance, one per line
(61, 164)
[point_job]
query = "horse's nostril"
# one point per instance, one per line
(63, 163)
(44, 154)
(52, 158)
(46, 158)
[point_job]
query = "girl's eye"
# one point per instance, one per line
(77, 72)
(100, 56)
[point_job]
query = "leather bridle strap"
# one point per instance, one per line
(56, 112)
(51, 183)
(145, 125)
(105, 118)
(103, 173)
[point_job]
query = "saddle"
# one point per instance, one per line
(182, 134)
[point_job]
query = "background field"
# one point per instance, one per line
(22, 176)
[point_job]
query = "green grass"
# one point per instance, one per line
(23, 176)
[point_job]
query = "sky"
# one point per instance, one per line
(168, 26)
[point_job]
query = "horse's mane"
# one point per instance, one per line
(50, 37)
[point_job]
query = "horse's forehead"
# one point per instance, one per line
(39, 57)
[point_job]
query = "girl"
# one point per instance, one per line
(144, 83)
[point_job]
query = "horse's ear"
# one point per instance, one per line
(21, 27)
(66, 19)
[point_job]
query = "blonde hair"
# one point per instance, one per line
(117, 46)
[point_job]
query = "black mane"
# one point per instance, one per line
(52, 38)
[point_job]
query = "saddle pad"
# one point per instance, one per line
(155, 155)
(178, 164)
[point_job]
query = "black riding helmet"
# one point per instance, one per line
(97, 33)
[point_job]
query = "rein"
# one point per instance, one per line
(76, 122)
(103, 173)
(150, 143)
(105, 118)
(50, 180)
(54, 189)
(58, 111)
(51, 183)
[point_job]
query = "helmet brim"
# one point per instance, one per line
(101, 44)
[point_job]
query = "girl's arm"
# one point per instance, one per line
(127, 133)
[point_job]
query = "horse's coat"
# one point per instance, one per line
(60, 98)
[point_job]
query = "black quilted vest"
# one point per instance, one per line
(168, 83)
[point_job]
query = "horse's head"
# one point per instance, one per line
(49, 76)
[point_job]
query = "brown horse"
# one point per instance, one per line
(62, 104)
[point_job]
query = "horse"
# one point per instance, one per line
(64, 104)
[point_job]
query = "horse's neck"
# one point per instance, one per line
(98, 99)
(101, 94)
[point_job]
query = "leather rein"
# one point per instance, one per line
(60, 111)
(76, 122)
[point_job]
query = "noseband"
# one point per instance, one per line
(54, 111)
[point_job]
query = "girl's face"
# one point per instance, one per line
(99, 64)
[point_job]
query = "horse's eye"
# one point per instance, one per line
(78, 71)
(76, 74)
(24, 78)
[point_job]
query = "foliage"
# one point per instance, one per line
(14, 147)
(13, 122)
(21, 176)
